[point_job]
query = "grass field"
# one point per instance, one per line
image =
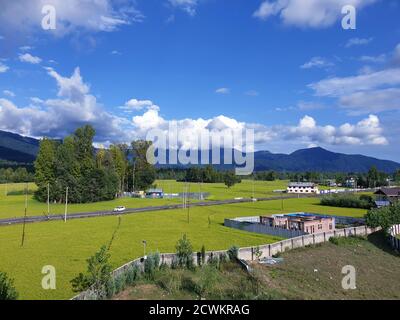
(308, 273)
(13, 205)
(66, 246)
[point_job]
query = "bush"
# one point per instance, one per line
(7, 289)
(184, 253)
(170, 281)
(120, 283)
(110, 288)
(233, 253)
(150, 267)
(348, 201)
(132, 274)
(383, 217)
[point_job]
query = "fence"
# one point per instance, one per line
(249, 253)
(393, 232)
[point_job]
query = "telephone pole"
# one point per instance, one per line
(48, 199)
(26, 209)
(66, 205)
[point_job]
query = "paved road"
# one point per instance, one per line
(11, 221)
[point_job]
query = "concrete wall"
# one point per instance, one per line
(248, 253)
(302, 241)
(393, 232)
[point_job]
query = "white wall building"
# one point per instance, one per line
(302, 187)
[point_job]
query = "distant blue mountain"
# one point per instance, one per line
(16, 148)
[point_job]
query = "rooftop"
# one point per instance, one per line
(301, 184)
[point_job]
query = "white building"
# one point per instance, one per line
(302, 187)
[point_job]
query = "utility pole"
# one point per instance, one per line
(26, 209)
(144, 248)
(66, 205)
(133, 176)
(48, 199)
(188, 206)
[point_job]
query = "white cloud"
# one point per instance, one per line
(336, 87)
(372, 101)
(366, 132)
(311, 13)
(74, 107)
(358, 42)
(9, 93)
(317, 62)
(25, 48)
(88, 15)
(137, 105)
(3, 67)
(188, 6)
(223, 91)
(27, 57)
(374, 59)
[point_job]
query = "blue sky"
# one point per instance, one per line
(284, 68)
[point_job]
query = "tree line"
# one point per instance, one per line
(16, 175)
(90, 175)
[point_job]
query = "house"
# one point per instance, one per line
(350, 183)
(155, 193)
(302, 187)
(387, 196)
(306, 222)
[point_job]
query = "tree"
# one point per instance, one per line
(120, 164)
(384, 217)
(230, 179)
(7, 289)
(145, 173)
(184, 252)
(97, 275)
(45, 168)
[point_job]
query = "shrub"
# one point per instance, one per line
(383, 217)
(170, 281)
(132, 274)
(348, 201)
(110, 288)
(233, 252)
(184, 253)
(149, 267)
(203, 254)
(7, 289)
(120, 283)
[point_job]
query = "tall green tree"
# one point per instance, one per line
(145, 173)
(45, 168)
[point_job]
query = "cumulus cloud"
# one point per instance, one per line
(317, 62)
(57, 117)
(365, 132)
(189, 6)
(27, 57)
(312, 13)
(88, 15)
(137, 105)
(358, 42)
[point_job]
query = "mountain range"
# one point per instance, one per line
(19, 149)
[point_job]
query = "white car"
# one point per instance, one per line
(119, 209)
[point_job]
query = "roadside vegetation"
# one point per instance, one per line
(348, 201)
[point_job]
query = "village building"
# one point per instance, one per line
(302, 187)
(387, 196)
(306, 222)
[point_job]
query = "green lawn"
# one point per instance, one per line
(66, 246)
(13, 205)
